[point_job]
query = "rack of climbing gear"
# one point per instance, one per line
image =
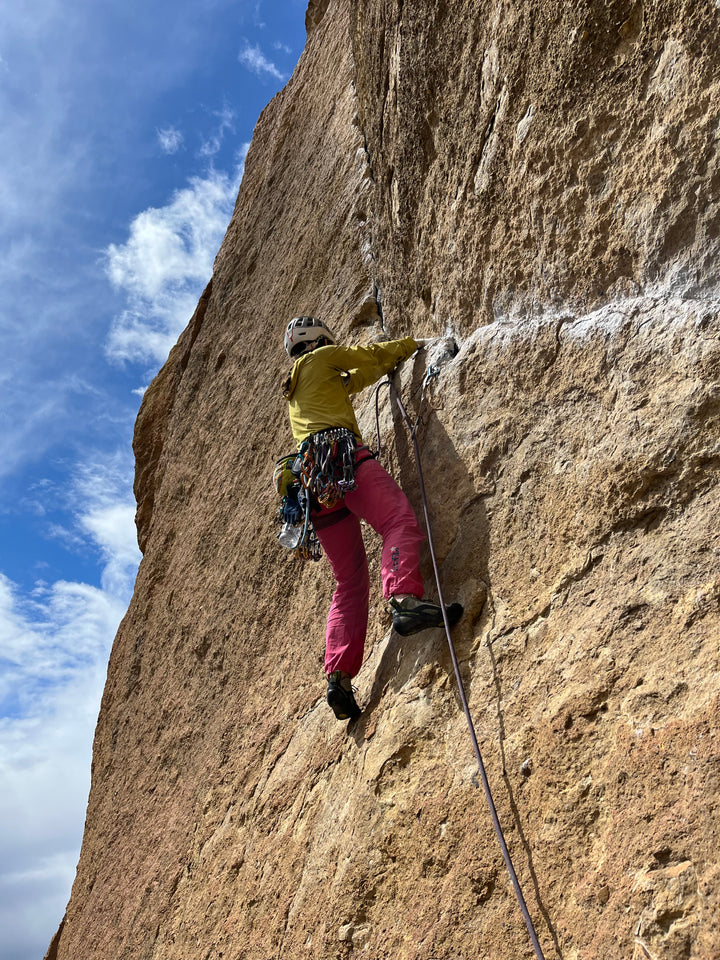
(327, 469)
(461, 688)
(297, 532)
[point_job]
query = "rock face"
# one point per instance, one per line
(536, 184)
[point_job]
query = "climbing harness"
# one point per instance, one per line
(328, 465)
(297, 532)
(461, 688)
(322, 472)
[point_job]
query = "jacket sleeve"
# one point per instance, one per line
(365, 365)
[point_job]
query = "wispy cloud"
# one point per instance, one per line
(170, 140)
(257, 18)
(255, 60)
(54, 645)
(48, 636)
(48, 641)
(45, 770)
(40, 402)
(81, 156)
(226, 124)
(240, 157)
(164, 265)
(104, 487)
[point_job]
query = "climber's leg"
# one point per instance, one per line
(379, 500)
(347, 620)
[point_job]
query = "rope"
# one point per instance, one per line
(461, 688)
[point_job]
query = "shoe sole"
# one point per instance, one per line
(339, 705)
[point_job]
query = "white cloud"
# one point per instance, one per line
(30, 896)
(212, 145)
(165, 264)
(78, 149)
(112, 527)
(56, 631)
(54, 645)
(170, 140)
(45, 752)
(49, 640)
(241, 155)
(104, 487)
(41, 399)
(257, 19)
(255, 60)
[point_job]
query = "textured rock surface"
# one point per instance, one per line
(537, 183)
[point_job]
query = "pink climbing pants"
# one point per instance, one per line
(380, 501)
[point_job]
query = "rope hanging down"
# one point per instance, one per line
(471, 727)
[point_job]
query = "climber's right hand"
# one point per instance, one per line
(423, 343)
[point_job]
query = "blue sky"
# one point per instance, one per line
(124, 131)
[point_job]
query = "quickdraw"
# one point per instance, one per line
(328, 465)
(308, 547)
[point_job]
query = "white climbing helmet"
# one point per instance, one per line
(303, 330)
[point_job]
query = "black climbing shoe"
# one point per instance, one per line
(412, 615)
(341, 698)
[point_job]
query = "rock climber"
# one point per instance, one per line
(318, 390)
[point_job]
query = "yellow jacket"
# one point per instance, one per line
(321, 383)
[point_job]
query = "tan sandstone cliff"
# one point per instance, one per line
(537, 182)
